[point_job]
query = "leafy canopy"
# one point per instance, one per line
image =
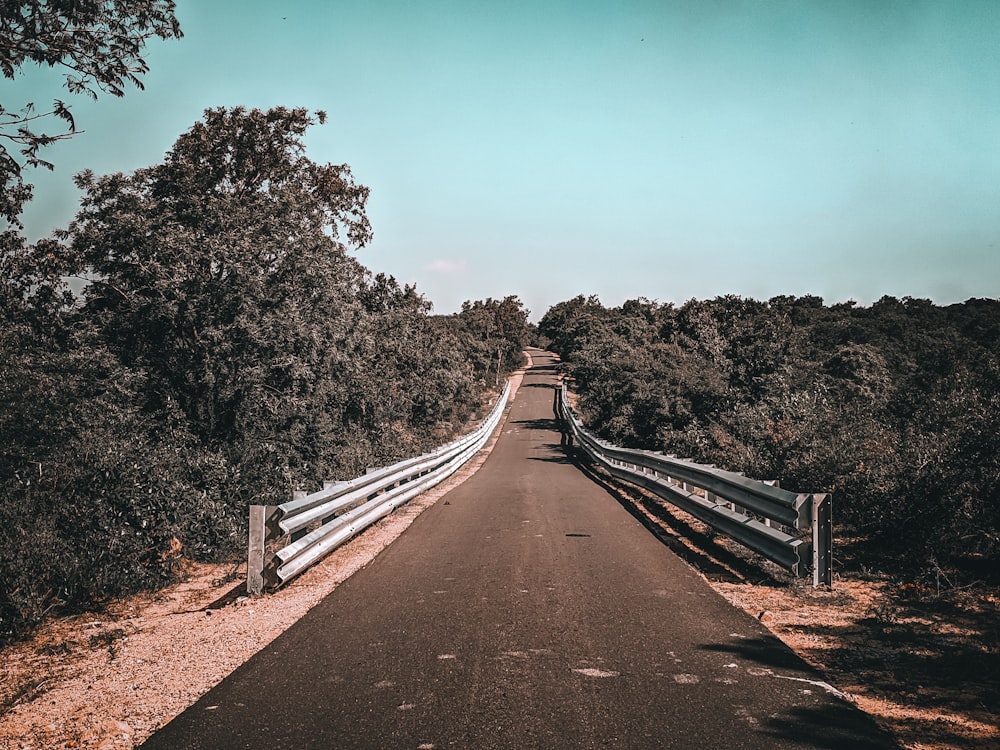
(891, 407)
(221, 271)
(226, 350)
(97, 42)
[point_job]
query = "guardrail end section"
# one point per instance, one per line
(803, 558)
(263, 528)
(804, 509)
(822, 539)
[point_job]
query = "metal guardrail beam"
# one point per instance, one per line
(318, 523)
(661, 475)
(780, 505)
(791, 552)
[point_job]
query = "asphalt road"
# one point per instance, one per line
(525, 609)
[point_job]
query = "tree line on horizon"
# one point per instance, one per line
(891, 407)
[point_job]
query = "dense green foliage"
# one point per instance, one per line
(893, 407)
(225, 350)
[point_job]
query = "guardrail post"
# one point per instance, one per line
(771, 483)
(822, 539)
(298, 495)
(261, 525)
(565, 428)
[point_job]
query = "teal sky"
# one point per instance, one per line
(661, 149)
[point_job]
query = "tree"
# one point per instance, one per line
(98, 41)
(891, 407)
(502, 325)
(562, 322)
(221, 273)
(226, 350)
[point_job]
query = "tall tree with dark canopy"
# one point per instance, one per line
(221, 271)
(226, 350)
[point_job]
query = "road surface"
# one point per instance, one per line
(525, 609)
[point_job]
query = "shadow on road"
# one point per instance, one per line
(698, 549)
(828, 728)
(547, 425)
(557, 456)
(766, 651)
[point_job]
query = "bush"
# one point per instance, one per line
(891, 407)
(94, 494)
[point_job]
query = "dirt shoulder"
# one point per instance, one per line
(924, 667)
(111, 680)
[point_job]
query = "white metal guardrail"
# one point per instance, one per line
(316, 524)
(729, 502)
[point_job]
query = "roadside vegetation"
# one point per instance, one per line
(892, 407)
(200, 338)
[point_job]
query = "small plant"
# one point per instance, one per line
(108, 638)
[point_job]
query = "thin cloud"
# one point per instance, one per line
(442, 265)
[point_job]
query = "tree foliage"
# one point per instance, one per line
(202, 264)
(502, 327)
(891, 407)
(98, 43)
(226, 350)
